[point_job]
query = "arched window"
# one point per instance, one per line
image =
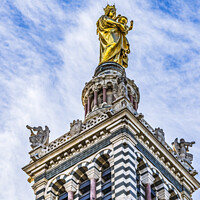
(58, 190)
(106, 186)
(63, 196)
(100, 97)
(138, 183)
(153, 193)
(109, 95)
(173, 194)
(85, 190)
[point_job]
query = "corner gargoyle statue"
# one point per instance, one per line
(182, 149)
(41, 138)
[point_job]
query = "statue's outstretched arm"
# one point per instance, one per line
(31, 129)
(189, 143)
(131, 25)
(36, 128)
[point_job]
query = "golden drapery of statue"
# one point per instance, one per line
(112, 31)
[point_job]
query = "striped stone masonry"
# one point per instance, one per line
(125, 161)
(136, 172)
(39, 188)
(124, 167)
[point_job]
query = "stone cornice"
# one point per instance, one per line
(101, 144)
(123, 118)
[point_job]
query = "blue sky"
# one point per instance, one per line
(49, 49)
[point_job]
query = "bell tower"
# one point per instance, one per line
(107, 88)
(113, 153)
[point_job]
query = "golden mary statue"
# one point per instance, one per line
(112, 33)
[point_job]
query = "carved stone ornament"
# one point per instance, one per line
(182, 148)
(122, 89)
(75, 127)
(139, 116)
(115, 91)
(41, 138)
(160, 135)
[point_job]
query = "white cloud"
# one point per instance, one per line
(44, 68)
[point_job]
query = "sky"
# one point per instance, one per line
(49, 49)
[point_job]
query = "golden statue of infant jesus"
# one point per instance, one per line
(123, 20)
(125, 29)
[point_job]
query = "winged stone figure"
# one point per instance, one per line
(41, 138)
(182, 148)
(175, 146)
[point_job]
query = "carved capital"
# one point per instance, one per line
(85, 100)
(90, 95)
(105, 86)
(95, 88)
(71, 185)
(163, 194)
(93, 173)
(50, 196)
(147, 179)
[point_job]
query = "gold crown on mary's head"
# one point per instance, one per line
(108, 8)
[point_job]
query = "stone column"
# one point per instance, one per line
(135, 105)
(70, 188)
(148, 191)
(95, 98)
(93, 174)
(131, 98)
(104, 95)
(92, 188)
(147, 179)
(89, 104)
(86, 108)
(70, 195)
